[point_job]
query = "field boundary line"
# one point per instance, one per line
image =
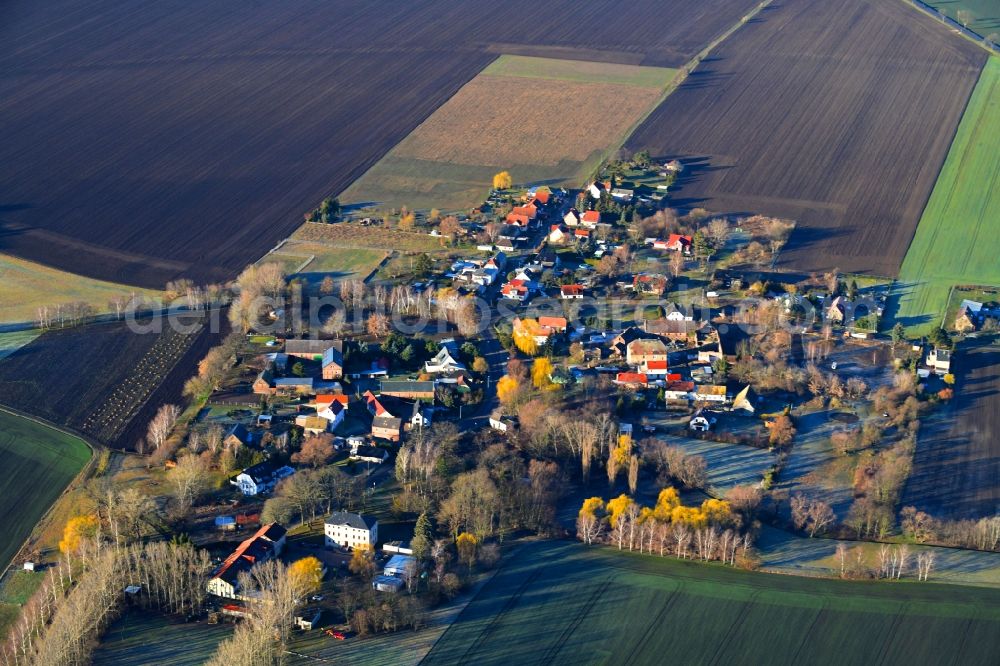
(554, 649)
(724, 643)
(971, 35)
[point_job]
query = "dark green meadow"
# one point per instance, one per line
(562, 603)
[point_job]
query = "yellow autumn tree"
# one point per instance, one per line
(591, 506)
(466, 545)
(77, 529)
(524, 338)
(406, 221)
(688, 515)
(668, 500)
(541, 371)
(502, 181)
(306, 575)
(716, 511)
(508, 391)
(617, 507)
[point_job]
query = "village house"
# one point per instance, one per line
(699, 423)
(675, 243)
(939, 361)
(500, 422)
(445, 360)
(558, 234)
(387, 427)
(650, 284)
(369, 454)
(556, 324)
(645, 349)
(266, 544)
(677, 312)
(260, 478)
(654, 369)
(622, 194)
(571, 291)
(333, 363)
(572, 218)
(264, 384)
(515, 290)
(969, 317)
(678, 390)
(294, 385)
(590, 219)
(313, 425)
(672, 329)
(581, 234)
(237, 436)
(634, 380)
(350, 530)
(710, 394)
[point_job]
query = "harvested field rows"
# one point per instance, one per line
(837, 115)
(367, 237)
(103, 380)
(957, 241)
(956, 469)
(189, 137)
(545, 121)
(562, 603)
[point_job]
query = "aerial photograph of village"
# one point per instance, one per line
(444, 332)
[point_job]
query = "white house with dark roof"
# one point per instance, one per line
(445, 360)
(350, 530)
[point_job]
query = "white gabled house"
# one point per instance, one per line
(260, 478)
(445, 360)
(350, 530)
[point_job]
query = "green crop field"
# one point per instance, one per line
(957, 240)
(37, 462)
(983, 15)
(562, 603)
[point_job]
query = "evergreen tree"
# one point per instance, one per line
(423, 537)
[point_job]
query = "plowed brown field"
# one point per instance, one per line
(836, 114)
(143, 141)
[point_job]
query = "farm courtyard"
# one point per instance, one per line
(562, 603)
(544, 120)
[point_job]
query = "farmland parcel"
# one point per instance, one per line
(189, 137)
(38, 462)
(957, 241)
(837, 115)
(560, 603)
(544, 120)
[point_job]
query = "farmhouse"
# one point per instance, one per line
(387, 427)
(237, 436)
(571, 291)
(572, 218)
(678, 390)
(675, 243)
(970, 315)
(644, 350)
(672, 329)
(350, 530)
(266, 544)
(260, 478)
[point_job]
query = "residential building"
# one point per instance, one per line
(644, 350)
(515, 290)
(675, 243)
(387, 427)
(369, 454)
(678, 390)
(650, 284)
(333, 363)
(571, 291)
(312, 350)
(635, 380)
(314, 425)
(445, 360)
(672, 329)
(572, 218)
(939, 360)
(237, 436)
(350, 530)
(590, 219)
(260, 478)
(266, 544)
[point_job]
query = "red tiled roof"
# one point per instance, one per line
(330, 399)
(656, 365)
(674, 377)
(553, 322)
(517, 218)
(582, 232)
(631, 378)
(592, 216)
(542, 196)
(684, 240)
(680, 386)
(572, 289)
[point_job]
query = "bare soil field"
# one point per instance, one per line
(544, 120)
(103, 380)
(187, 138)
(956, 469)
(836, 115)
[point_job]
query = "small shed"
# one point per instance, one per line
(399, 565)
(308, 619)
